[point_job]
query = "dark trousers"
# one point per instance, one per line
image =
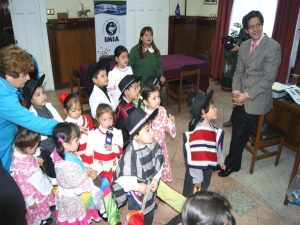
(242, 125)
(12, 205)
(188, 186)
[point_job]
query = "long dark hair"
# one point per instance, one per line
(118, 51)
(140, 44)
(146, 91)
(64, 132)
(206, 208)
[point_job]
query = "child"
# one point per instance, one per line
(202, 145)
(161, 124)
(140, 165)
(103, 156)
(74, 202)
(205, 207)
(99, 93)
(120, 70)
(72, 109)
(36, 99)
(150, 80)
(34, 185)
(129, 90)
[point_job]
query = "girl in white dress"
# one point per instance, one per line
(119, 72)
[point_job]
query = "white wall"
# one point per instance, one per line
(194, 7)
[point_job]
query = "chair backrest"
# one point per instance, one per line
(202, 56)
(190, 72)
(108, 57)
(75, 78)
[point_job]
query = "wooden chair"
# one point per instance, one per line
(81, 91)
(263, 135)
(179, 88)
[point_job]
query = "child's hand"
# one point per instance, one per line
(40, 161)
(33, 206)
(83, 129)
(93, 174)
(172, 118)
(223, 166)
(154, 184)
(197, 185)
(88, 170)
(142, 188)
(108, 147)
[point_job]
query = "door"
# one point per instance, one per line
(29, 24)
(154, 13)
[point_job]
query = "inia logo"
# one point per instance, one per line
(111, 28)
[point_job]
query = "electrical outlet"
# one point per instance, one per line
(50, 11)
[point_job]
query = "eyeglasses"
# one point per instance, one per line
(257, 26)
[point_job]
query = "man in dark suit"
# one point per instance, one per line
(256, 70)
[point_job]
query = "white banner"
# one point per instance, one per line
(110, 26)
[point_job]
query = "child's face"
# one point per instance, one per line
(31, 151)
(105, 120)
(145, 135)
(122, 60)
(132, 92)
(211, 114)
(139, 86)
(101, 79)
(39, 98)
(71, 146)
(74, 111)
(153, 101)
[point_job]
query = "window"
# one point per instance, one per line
(267, 7)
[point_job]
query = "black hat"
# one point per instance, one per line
(127, 81)
(101, 63)
(198, 104)
(137, 119)
(152, 80)
(29, 89)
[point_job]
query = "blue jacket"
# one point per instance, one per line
(12, 113)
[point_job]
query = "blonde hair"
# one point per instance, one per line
(14, 61)
(101, 109)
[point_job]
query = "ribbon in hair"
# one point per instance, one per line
(62, 97)
(60, 140)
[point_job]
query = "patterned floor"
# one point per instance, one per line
(247, 208)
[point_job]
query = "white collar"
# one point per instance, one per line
(137, 146)
(151, 50)
(19, 155)
(148, 111)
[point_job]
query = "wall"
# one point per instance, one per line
(194, 7)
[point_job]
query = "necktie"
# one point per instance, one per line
(253, 48)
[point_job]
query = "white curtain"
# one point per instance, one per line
(267, 7)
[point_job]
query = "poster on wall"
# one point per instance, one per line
(110, 26)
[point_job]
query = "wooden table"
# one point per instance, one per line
(171, 65)
(286, 115)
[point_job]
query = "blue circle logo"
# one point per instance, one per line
(111, 28)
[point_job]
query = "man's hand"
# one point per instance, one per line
(240, 98)
(235, 49)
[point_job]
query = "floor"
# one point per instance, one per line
(260, 214)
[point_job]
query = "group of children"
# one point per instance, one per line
(120, 154)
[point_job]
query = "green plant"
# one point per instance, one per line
(230, 55)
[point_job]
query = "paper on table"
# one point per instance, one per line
(279, 86)
(294, 92)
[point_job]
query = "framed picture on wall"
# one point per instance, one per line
(210, 2)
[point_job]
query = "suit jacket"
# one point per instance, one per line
(256, 74)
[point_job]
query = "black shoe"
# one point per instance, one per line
(225, 173)
(47, 221)
(217, 168)
(52, 208)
